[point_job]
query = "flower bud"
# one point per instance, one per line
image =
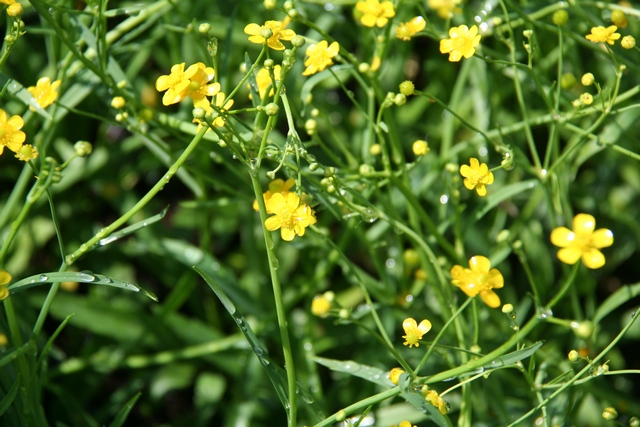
(375, 149)
(365, 169)
(411, 257)
(583, 329)
(586, 99)
(82, 148)
(507, 308)
(420, 147)
(118, 102)
(298, 41)
(567, 81)
(587, 79)
(270, 4)
(628, 42)
(310, 126)
(527, 33)
(618, 18)
(271, 109)
(574, 356)
(503, 236)
(363, 67)
(609, 413)
(407, 88)
(15, 10)
(394, 375)
(341, 415)
(314, 166)
(266, 33)
(400, 99)
(204, 28)
(560, 17)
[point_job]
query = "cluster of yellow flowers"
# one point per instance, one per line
(609, 35)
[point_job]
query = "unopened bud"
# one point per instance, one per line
(609, 413)
(204, 28)
(82, 148)
(271, 109)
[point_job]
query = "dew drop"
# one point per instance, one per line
(43, 278)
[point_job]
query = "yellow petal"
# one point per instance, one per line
(495, 279)
(287, 234)
(252, 29)
(562, 237)
(569, 255)
(593, 258)
(409, 325)
(602, 238)
(584, 224)
(272, 223)
(481, 189)
(424, 326)
(465, 171)
(490, 298)
(446, 45)
(479, 264)
(5, 277)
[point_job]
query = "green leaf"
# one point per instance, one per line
(133, 228)
(13, 354)
(119, 420)
(8, 399)
(316, 79)
(81, 277)
(506, 192)
(615, 300)
(513, 357)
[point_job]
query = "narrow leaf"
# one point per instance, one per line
(133, 228)
(124, 412)
(8, 398)
(506, 192)
(615, 300)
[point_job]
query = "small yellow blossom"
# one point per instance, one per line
(190, 82)
(414, 331)
(3, 340)
(44, 92)
(319, 57)
(404, 423)
(603, 35)
(5, 278)
(118, 102)
(462, 43)
(321, 304)
(290, 216)
(434, 398)
(583, 242)
(619, 18)
(263, 80)
(628, 42)
(10, 134)
(27, 152)
(476, 175)
(587, 79)
(406, 30)
(420, 147)
(445, 8)
(270, 33)
(276, 186)
(394, 375)
(479, 278)
(199, 87)
(375, 13)
(586, 99)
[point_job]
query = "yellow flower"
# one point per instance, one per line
(434, 398)
(290, 216)
(375, 13)
(406, 30)
(476, 175)
(276, 186)
(10, 134)
(394, 375)
(199, 88)
(223, 104)
(479, 279)
(27, 152)
(8, 2)
(583, 242)
(420, 147)
(263, 80)
(5, 278)
(321, 304)
(319, 57)
(414, 331)
(403, 424)
(445, 8)
(603, 35)
(270, 33)
(463, 42)
(44, 92)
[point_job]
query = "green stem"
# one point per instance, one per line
(565, 287)
(277, 295)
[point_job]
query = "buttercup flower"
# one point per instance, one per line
(44, 92)
(270, 33)
(5, 278)
(319, 57)
(263, 80)
(583, 242)
(276, 186)
(462, 43)
(290, 216)
(404, 423)
(10, 134)
(375, 13)
(406, 30)
(321, 304)
(199, 88)
(434, 398)
(445, 8)
(603, 35)
(479, 278)
(414, 331)
(476, 175)
(394, 375)
(27, 152)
